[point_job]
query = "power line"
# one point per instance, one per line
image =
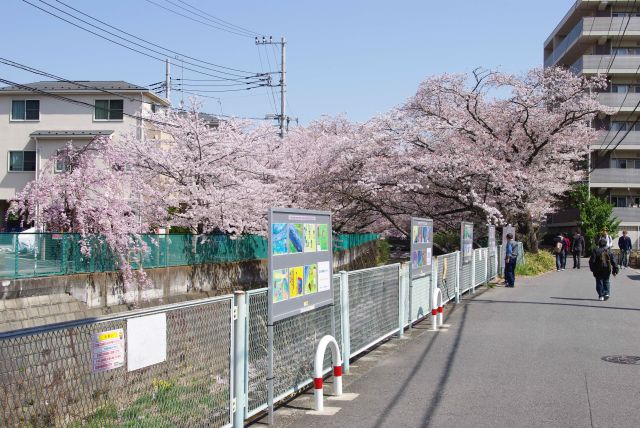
(208, 24)
(217, 91)
(151, 43)
(222, 21)
(62, 79)
(131, 42)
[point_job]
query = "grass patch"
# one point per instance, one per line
(535, 264)
(384, 252)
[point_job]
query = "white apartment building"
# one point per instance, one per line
(37, 119)
(603, 37)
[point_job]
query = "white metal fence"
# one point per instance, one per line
(215, 374)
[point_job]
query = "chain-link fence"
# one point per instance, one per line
(49, 377)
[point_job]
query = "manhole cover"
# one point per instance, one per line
(622, 359)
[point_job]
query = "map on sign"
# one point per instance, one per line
(300, 261)
(421, 247)
(466, 242)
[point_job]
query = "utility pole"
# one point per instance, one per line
(282, 117)
(167, 80)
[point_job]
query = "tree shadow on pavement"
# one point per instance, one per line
(602, 305)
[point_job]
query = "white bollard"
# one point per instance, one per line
(436, 311)
(317, 370)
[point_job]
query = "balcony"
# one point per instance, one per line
(619, 64)
(621, 102)
(613, 139)
(615, 178)
(593, 28)
(627, 215)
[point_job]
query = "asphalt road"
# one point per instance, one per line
(531, 356)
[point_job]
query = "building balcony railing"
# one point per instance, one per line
(613, 64)
(620, 101)
(615, 177)
(594, 27)
(627, 215)
(618, 139)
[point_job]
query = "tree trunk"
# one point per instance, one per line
(528, 233)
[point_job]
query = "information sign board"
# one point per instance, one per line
(466, 241)
(491, 244)
(421, 247)
(300, 261)
(107, 350)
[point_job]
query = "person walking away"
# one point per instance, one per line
(566, 249)
(558, 248)
(603, 265)
(577, 248)
(511, 258)
(624, 243)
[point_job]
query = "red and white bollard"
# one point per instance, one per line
(317, 370)
(436, 312)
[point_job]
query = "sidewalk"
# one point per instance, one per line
(522, 357)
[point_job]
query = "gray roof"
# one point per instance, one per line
(79, 133)
(79, 85)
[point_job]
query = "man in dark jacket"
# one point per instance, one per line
(577, 249)
(603, 265)
(624, 243)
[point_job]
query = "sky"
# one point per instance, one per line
(356, 58)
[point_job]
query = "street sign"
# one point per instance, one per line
(466, 241)
(421, 247)
(300, 261)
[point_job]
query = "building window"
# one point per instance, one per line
(109, 109)
(22, 160)
(25, 110)
(619, 201)
(625, 163)
(62, 163)
(618, 125)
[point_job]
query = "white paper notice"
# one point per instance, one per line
(324, 276)
(107, 350)
(428, 256)
(146, 341)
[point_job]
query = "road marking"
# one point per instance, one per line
(327, 411)
(346, 396)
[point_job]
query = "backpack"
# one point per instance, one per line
(558, 248)
(600, 262)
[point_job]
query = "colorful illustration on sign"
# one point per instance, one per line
(323, 237)
(426, 234)
(324, 276)
(310, 279)
(107, 350)
(414, 258)
(295, 238)
(428, 253)
(296, 281)
(310, 241)
(414, 234)
(425, 260)
(468, 231)
(280, 285)
(279, 238)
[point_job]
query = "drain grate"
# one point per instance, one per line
(622, 359)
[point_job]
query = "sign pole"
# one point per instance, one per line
(270, 418)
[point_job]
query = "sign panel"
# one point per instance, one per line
(466, 241)
(146, 341)
(491, 243)
(421, 247)
(506, 230)
(300, 261)
(107, 350)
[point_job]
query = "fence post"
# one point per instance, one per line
(63, 255)
(344, 318)
(458, 273)
(401, 275)
(486, 271)
(16, 263)
(473, 273)
(433, 284)
(239, 357)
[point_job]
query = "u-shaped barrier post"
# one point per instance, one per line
(336, 360)
(436, 311)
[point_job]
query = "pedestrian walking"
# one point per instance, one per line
(511, 257)
(558, 250)
(566, 249)
(624, 243)
(577, 249)
(605, 235)
(603, 265)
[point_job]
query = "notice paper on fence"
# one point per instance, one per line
(146, 341)
(107, 350)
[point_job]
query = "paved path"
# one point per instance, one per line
(524, 357)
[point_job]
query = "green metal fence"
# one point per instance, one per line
(24, 255)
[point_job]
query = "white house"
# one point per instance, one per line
(37, 119)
